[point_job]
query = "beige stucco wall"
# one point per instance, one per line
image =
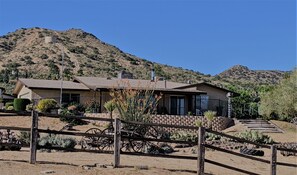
(85, 96)
(25, 93)
(213, 93)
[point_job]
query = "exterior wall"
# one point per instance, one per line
(218, 124)
(213, 93)
(105, 98)
(85, 96)
(217, 98)
(25, 93)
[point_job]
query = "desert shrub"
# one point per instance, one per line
(255, 136)
(19, 104)
(198, 123)
(8, 104)
(72, 110)
(55, 140)
(192, 137)
(24, 137)
(44, 56)
(29, 107)
(110, 107)
(184, 136)
(92, 106)
(212, 137)
(135, 104)
(210, 115)
(10, 108)
(45, 105)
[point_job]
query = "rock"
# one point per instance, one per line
(86, 167)
(100, 165)
(181, 146)
(48, 172)
(141, 167)
(166, 149)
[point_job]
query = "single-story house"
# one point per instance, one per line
(4, 97)
(177, 98)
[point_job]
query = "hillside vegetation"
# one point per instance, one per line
(24, 53)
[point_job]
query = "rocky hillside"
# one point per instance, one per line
(84, 54)
(25, 53)
(244, 75)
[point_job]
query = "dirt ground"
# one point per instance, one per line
(64, 163)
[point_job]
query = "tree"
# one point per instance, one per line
(281, 102)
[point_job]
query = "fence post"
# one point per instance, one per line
(117, 142)
(201, 151)
(33, 137)
(273, 160)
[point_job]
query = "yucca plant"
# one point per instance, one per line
(110, 107)
(210, 115)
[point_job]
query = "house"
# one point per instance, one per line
(177, 98)
(35, 89)
(4, 97)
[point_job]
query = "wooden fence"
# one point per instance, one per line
(118, 136)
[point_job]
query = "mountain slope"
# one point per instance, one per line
(24, 53)
(84, 55)
(245, 75)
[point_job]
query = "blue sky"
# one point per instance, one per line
(208, 36)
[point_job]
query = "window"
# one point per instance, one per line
(70, 98)
(200, 104)
(177, 105)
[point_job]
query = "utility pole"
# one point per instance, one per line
(61, 77)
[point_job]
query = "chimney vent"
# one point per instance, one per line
(125, 75)
(153, 74)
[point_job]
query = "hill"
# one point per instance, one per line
(24, 53)
(244, 75)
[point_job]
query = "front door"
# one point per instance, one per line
(177, 105)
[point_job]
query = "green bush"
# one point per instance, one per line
(8, 104)
(45, 105)
(19, 104)
(255, 136)
(55, 140)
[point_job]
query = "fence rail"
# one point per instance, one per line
(117, 136)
